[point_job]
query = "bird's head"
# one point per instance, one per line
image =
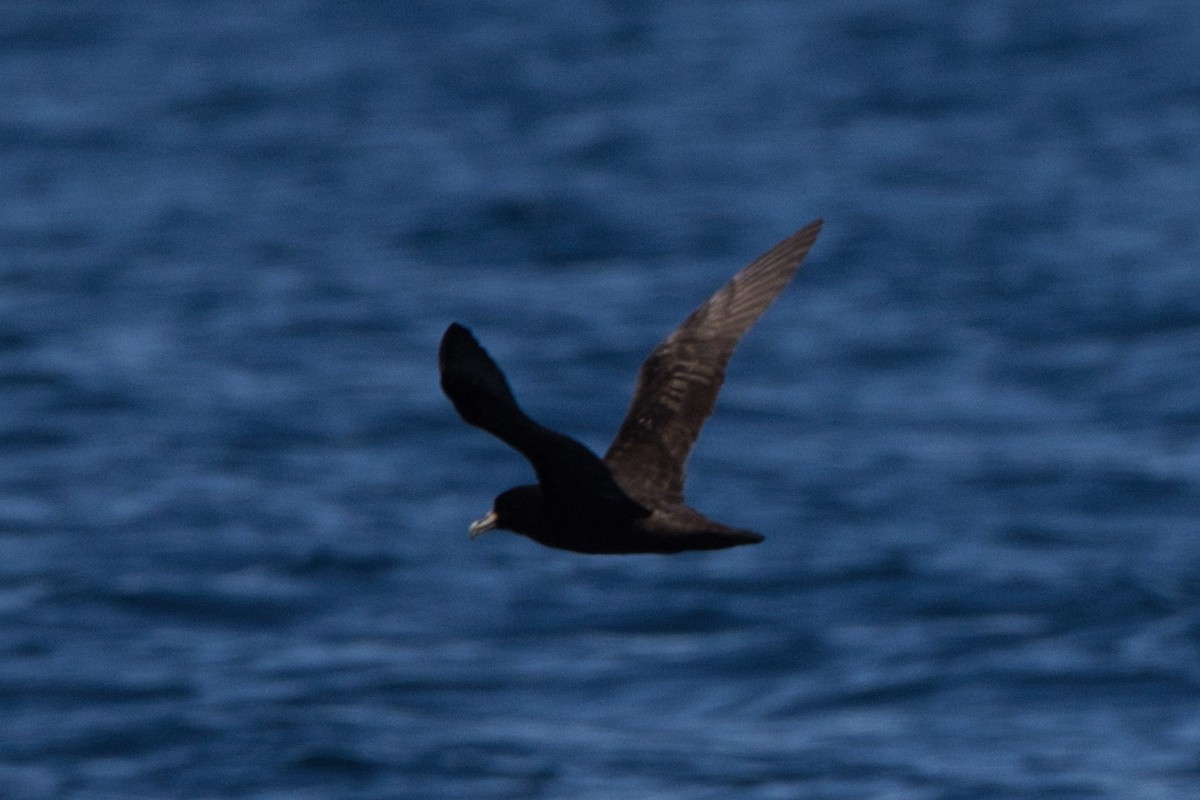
(517, 509)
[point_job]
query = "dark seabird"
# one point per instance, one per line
(632, 500)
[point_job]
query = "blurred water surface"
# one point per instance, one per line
(233, 502)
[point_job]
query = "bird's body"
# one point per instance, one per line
(632, 500)
(610, 528)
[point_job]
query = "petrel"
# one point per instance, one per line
(631, 501)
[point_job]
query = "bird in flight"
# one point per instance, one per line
(631, 501)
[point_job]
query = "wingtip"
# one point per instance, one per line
(798, 244)
(795, 246)
(453, 341)
(456, 333)
(455, 329)
(811, 230)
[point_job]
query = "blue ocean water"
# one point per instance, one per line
(233, 502)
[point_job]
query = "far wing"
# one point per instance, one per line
(480, 393)
(678, 384)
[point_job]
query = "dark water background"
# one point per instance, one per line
(233, 557)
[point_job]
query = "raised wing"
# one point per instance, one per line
(678, 384)
(480, 393)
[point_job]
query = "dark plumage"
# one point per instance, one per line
(632, 501)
